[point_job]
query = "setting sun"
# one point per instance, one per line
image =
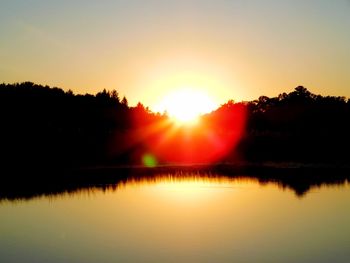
(186, 105)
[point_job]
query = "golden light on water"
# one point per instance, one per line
(188, 189)
(194, 191)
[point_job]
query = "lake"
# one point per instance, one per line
(184, 217)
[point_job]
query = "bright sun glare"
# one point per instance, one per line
(186, 105)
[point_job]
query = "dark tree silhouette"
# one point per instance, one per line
(47, 128)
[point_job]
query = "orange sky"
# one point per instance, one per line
(145, 49)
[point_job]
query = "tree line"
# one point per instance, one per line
(298, 126)
(49, 127)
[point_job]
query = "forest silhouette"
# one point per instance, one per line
(47, 126)
(52, 132)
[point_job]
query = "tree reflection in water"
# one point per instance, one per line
(299, 180)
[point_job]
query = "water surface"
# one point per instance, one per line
(186, 218)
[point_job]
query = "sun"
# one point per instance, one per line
(185, 105)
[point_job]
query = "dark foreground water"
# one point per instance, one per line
(187, 218)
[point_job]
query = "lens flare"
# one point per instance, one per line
(157, 139)
(149, 160)
(214, 137)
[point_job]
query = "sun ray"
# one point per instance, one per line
(184, 106)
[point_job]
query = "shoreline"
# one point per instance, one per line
(300, 179)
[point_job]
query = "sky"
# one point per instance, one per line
(145, 49)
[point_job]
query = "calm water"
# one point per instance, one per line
(189, 218)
